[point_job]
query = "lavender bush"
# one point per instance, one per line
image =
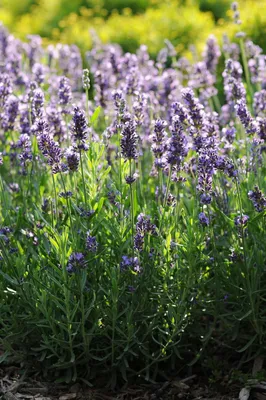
(132, 219)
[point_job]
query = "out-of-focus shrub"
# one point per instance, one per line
(133, 22)
(218, 8)
(181, 25)
(15, 7)
(136, 6)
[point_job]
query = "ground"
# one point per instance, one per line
(14, 386)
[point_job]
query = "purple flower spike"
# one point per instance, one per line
(203, 219)
(64, 92)
(143, 227)
(49, 148)
(258, 199)
(75, 262)
(10, 113)
(72, 158)
(5, 88)
(129, 140)
(91, 243)
(212, 54)
(245, 117)
(177, 147)
(79, 129)
(241, 221)
(130, 262)
(195, 108)
(37, 104)
(159, 145)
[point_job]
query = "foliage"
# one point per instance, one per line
(219, 9)
(150, 28)
(144, 21)
(132, 206)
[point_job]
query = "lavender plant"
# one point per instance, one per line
(132, 236)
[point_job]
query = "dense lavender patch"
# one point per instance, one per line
(132, 206)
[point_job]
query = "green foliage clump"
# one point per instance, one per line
(132, 234)
(144, 21)
(218, 8)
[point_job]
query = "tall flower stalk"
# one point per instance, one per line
(79, 129)
(241, 36)
(86, 86)
(129, 142)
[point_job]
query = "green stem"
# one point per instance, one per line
(67, 302)
(160, 172)
(168, 186)
(55, 197)
(83, 179)
(132, 206)
(217, 103)
(177, 206)
(121, 192)
(5, 207)
(87, 111)
(68, 205)
(245, 64)
(216, 265)
(30, 177)
(83, 315)
(139, 181)
(114, 318)
(67, 133)
(87, 102)
(165, 198)
(246, 259)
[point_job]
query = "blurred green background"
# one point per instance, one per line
(133, 22)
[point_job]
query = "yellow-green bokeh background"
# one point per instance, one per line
(133, 22)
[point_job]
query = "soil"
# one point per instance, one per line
(14, 386)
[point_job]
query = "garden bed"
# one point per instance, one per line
(15, 387)
(132, 213)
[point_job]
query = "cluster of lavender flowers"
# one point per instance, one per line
(258, 199)
(171, 109)
(143, 227)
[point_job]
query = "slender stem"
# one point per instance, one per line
(245, 64)
(30, 110)
(246, 258)
(121, 191)
(83, 178)
(67, 302)
(52, 214)
(5, 208)
(139, 166)
(83, 315)
(168, 186)
(160, 173)
(215, 264)
(165, 198)
(87, 101)
(34, 165)
(211, 105)
(55, 197)
(68, 205)
(114, 319)
(87, 110)
(68, 133)
(120, 179)
(131, 206)
(217, 103)
(177, 206)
